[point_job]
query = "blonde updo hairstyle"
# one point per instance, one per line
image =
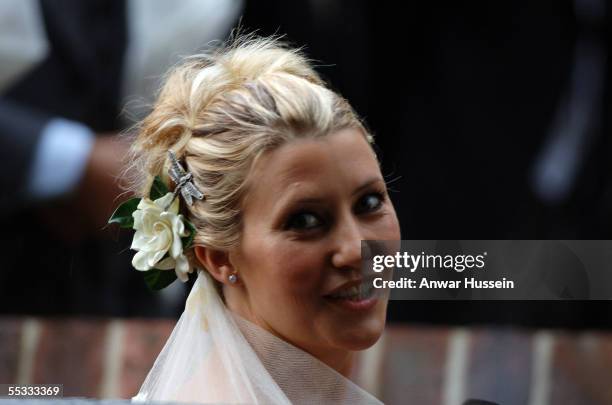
(220, 112)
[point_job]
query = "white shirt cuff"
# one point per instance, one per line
(60, 158)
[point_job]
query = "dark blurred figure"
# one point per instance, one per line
(68, 68)
(492, 121)
(495, 117)
(504, 116)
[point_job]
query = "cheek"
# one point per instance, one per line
(285, 270)
(299, 267)
(387, 228)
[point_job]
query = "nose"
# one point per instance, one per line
(347, 244)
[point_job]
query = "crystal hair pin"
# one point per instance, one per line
(183, 181)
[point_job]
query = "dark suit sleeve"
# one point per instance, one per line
(20, 130)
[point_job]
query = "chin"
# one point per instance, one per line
(362, 335)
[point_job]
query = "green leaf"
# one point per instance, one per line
(123, 213)
(158, 189)
(188, 240)
(158, 279)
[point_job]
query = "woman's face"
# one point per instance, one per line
(309, 205)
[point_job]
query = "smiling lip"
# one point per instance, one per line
(359, 305)
(348, 285)
(352, 304)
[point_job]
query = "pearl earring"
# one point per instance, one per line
(232, 278)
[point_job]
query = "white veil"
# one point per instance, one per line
(214, 356)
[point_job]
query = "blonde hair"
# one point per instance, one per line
(220, 112)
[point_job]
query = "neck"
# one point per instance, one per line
(340, 360)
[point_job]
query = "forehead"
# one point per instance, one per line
(341, 159)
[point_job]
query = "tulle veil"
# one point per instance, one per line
(214, 356)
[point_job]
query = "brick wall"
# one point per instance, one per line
(410, 364)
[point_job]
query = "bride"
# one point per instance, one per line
(260, 182)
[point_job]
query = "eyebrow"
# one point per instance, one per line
(365, 185)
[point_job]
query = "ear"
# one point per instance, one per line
(216, 262)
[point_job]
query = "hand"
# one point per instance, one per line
(86, 211)
(98, 193)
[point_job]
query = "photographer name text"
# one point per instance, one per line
(413, 262)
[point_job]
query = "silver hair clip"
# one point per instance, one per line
(183, 181)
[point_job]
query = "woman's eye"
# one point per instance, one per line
(303, 221)
(369, 202)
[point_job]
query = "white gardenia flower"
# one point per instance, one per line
(159, 232)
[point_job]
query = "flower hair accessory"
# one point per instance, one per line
(162, 234)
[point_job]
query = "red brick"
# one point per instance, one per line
(10, 345)
(143, 340)
(413, 365)
(71, 353)
(499, 366)
(582, 369)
